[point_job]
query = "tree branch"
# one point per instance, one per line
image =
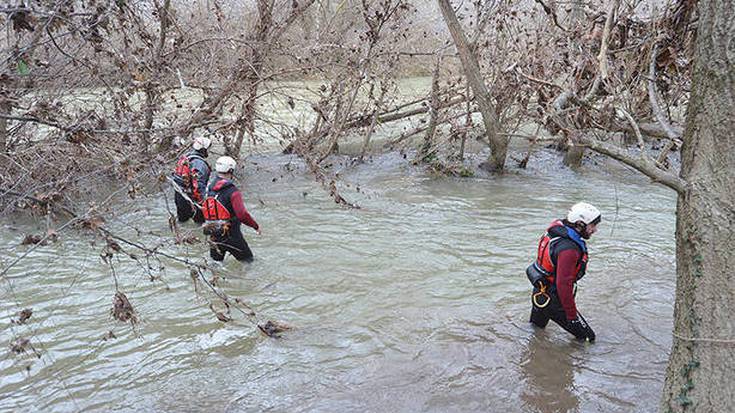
(537, 80)
(66, 128)
(551, 13)
(643, 165)
(660, 117)
(636, 129)
(602, 57)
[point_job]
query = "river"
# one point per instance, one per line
(415, 302)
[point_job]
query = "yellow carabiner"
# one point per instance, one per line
(542, 292)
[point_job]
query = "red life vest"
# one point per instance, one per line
(219, 216)
(546, 250)
(213, 210)
(189, 176)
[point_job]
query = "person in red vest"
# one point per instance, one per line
(560, 262)
(191, 175)
(224, 211)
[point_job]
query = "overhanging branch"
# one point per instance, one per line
(643, 165)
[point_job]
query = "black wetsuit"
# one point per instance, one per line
(232, 242)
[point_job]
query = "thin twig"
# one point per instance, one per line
(602, 56)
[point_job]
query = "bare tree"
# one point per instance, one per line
(498, 143)
(247, 74)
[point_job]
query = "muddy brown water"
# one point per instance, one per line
(416, 302)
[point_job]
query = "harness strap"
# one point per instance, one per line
(216, 205)
(181, 192)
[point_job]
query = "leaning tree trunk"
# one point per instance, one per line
(498, 143)
(701, 371)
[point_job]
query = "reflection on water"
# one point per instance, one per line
(548, 370)
(416, 302)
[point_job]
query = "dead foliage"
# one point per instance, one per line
(190, 239)
(22, 345)
(93, 223)
(31, 239)
(222, 316)
(23, 20)
(273, 329)
(23, 316)
(122, 310)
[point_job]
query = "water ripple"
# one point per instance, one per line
(416, 302)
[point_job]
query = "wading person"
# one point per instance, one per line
(562, 260)
(224, 211)
(191, 175)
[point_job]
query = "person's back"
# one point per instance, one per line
(224, 211)
(191, 175)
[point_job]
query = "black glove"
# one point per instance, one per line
(581, 330)
(590, 334)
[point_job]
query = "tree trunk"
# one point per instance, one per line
(426, 148)
(573, 155)
(368, 135)
(5, 109)
(149, 111)
(701, 371)
(498, 143)
(152, 88)
(467, 124)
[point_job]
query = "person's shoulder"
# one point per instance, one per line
(199, 161)
(230, 186)
(556, 229)
(563, 244)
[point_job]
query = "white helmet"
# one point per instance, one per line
(200, 142)
(584, 212)
(225, 164)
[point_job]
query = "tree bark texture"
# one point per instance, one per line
(5, 109)
(498, 143)
(426, 148)
(701, 371)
